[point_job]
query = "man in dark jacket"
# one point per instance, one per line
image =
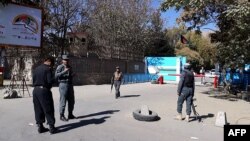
(42, 96)
(185, 92)
(64, 74)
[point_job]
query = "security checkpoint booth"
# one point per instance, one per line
(163, 67)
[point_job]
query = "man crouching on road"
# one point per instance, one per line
(185, 92)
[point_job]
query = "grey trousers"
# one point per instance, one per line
(117, 88)
(186, 95)
(66, 95)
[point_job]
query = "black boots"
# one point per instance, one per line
(71, 116)
(41, 128)
(63, 118)
(52, 129)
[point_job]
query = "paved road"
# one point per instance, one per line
(104, 118)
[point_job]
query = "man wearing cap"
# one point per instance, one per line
(117, 78)
(64, 76)
(42, 96)
(185, 92)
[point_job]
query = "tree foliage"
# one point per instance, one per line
(232, 18)
(128, 26)
(62, 16)
(159, 44)
(234, 35)
(199, 50)
(131, 27)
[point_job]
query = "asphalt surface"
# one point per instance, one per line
(104, 118)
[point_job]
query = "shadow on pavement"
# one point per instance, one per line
(99, 113)
(223, 95)
(64, 128)
(202, 117)
(127, 96)
(206, 92)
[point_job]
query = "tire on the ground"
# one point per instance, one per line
(151, 117)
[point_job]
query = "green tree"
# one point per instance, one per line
(159, 44)
(130, 26)
(232, 18)
(234, 37)
(199, 50)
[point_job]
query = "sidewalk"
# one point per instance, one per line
(104, 118)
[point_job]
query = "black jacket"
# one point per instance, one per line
(186, 80)
(42, 76)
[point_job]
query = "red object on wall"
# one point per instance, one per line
(160, 79)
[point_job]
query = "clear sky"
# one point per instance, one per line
(170, 16)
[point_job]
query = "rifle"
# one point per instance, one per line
(112, 83)
(197, 115)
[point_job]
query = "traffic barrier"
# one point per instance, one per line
(160, 79)
(216, 81)
(221, 119)
(197, 75)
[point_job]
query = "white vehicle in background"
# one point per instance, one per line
(211, 73)
(209, 76)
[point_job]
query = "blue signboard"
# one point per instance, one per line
(167, 65)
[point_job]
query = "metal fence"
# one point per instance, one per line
(136, 78)
(86, 65)
(99, 71)
(242, 79)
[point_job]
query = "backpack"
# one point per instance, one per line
(9, 93)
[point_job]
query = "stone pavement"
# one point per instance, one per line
(104, 118)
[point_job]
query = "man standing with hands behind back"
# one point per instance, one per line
(64, 75)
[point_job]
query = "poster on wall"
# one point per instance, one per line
(20, 25)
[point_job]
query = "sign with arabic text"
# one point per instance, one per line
(20, 25)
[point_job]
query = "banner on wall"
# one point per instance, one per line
(20, 25)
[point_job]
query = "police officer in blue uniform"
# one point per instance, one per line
(64, 74)
(185, 91)
(42, 96)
